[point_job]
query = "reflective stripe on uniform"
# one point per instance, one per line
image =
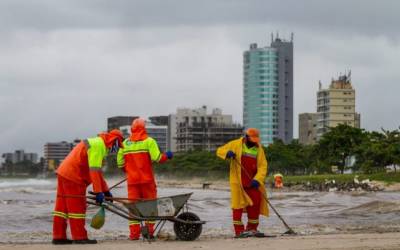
(135, 151)
(149, 145)
(249, 155)
(151, 222)
(237, 222)
(134, 222)
(76, 216)
(253, 221)
(159, 157)
(60, 214)
(69, 215)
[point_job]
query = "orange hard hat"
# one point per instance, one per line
(253, 135)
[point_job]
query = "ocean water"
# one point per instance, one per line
(26, 206)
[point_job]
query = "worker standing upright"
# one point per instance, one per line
(278, 180)
(247, 185)
(81, 168)
(136, 158)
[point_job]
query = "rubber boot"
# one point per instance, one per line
(85, 241)
(61, 241)
(134, 232)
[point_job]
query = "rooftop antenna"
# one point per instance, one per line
(272, 37)
(291, 37)
(319, 85)
(277, 34)
(349, 75)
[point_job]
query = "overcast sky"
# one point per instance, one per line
(65, 66)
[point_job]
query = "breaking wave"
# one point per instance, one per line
(25, 183)
(377, 207)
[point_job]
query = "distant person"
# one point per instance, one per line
(136, 158)
(248, 183)
(81, 168)
(278, 180)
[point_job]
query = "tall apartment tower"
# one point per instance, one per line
(268, 90)
(336, 105)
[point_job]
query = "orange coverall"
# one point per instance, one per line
(80, 168)
(136, 158)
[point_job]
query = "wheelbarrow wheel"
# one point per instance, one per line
(187, 232)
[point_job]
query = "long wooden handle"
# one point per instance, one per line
(119, 199)
(118, 183)
(291, 231)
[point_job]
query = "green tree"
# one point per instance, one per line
(292, 158)
(338, 144)
(378, 150)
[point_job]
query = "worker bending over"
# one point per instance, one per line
(81, 168)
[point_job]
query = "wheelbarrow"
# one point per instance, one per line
(187, 225)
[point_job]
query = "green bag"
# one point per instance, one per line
(98, 219)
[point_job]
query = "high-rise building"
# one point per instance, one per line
(157, 132)
(268, 90)
(308, 128)
(116, 122)
(195, 129)
(55, 153)
(336, 105)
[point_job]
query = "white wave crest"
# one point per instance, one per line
(24, 183)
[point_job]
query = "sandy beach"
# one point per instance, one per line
(333, 241)
(324, 220)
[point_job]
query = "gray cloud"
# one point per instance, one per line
(356, 16)
(67, 65)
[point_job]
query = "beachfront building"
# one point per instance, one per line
(116, 122)
(195, 129)
(19, 156)
(55, 153)
(268, 90)
(159, 120)
(308, 128)
(336, 105)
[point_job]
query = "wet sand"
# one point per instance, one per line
(332, 241)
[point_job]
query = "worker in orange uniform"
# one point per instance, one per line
(136, 158)
(81, 168)
(246, 184)
(278, 180)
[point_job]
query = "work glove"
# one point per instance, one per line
(230, 155)
(100, 197)
(108, 194)
(254, 184)
(169, 154)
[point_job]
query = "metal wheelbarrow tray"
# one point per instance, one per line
(187, 225)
